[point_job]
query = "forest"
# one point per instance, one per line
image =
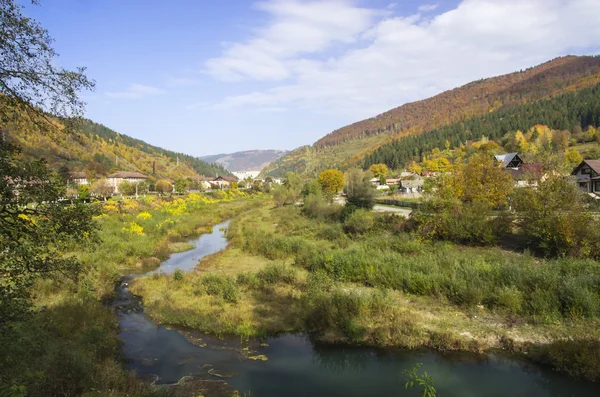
(567, 112)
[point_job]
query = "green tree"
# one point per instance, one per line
(83, 192)
(127, 188)
(142, 187)
(331, 181)
(30, 79)
(36, 230)
(359, 190)
(181, 185)
(573, 157)
(163, 186)
(555, 219)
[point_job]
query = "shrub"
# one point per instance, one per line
(277, 273)
(360, 221)
(178, 275)
(221, 286)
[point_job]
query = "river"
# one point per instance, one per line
(298, 367)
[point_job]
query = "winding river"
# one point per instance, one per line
(298, 367)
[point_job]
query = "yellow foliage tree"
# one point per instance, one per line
(379, 170)
(331, 181)
(415, 167)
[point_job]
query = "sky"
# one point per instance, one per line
(217, 76)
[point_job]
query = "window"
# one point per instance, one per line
(586, 171)
(597, 186)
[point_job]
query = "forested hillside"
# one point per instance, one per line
(349, 145)
(98, 150)
(567, 112)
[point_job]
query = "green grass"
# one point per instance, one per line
(68, 345)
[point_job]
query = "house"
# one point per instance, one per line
(116, 178)
(528, 174)
(587, 175)
(78, 178)
(510, 160)
(221, 182)
(392, 181)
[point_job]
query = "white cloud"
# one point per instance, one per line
(135, 91)
(295, 27)
(381, 60)
(427, 7)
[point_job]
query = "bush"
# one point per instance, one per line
(277, 273)
(555, 220)
(360, 221)
(221, 286)
(460, 222)
(315, 206)
(178, 275)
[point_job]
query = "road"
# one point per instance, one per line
(396, 210)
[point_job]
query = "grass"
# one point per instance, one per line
(379, 287)
(69, 344)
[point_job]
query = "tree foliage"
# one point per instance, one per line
(181, 185)
(127, 188)
(331, 181)
(163, 186)
(559, 113)
(36, 230)
(359, 190)
(29, 76)
(379, 170)
(103, 188)
(555, 219)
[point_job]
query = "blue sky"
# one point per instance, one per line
(213, 76)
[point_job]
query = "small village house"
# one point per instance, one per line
(510, 160)
(78, 178)
(223, 182)
(587, 175)
(116, 178)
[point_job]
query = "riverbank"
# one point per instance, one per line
(284, 272)
(69, 345)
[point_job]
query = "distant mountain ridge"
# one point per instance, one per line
(348, 146)
(245, 161)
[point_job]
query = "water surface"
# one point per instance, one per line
(298, 367)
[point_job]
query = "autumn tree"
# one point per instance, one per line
(415, 168)
(573, 157)
(379, 170)
(163, 186)
(331, 181)
(103, 188)
(30, 79)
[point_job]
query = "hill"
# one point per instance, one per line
(349, 145)
(246, 161)
(98, 151)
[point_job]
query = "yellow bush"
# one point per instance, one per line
(134, 228)
(144, 215)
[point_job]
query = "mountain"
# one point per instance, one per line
(98, 151)
(349, 145)
(246, 161)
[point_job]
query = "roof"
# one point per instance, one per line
(127, 175)
(392, 180)
(226, 178)
(593, 164)
(77, 175)
(533, 170)
(506, 158)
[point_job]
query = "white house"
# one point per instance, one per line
(78, 178)
(116, 178)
